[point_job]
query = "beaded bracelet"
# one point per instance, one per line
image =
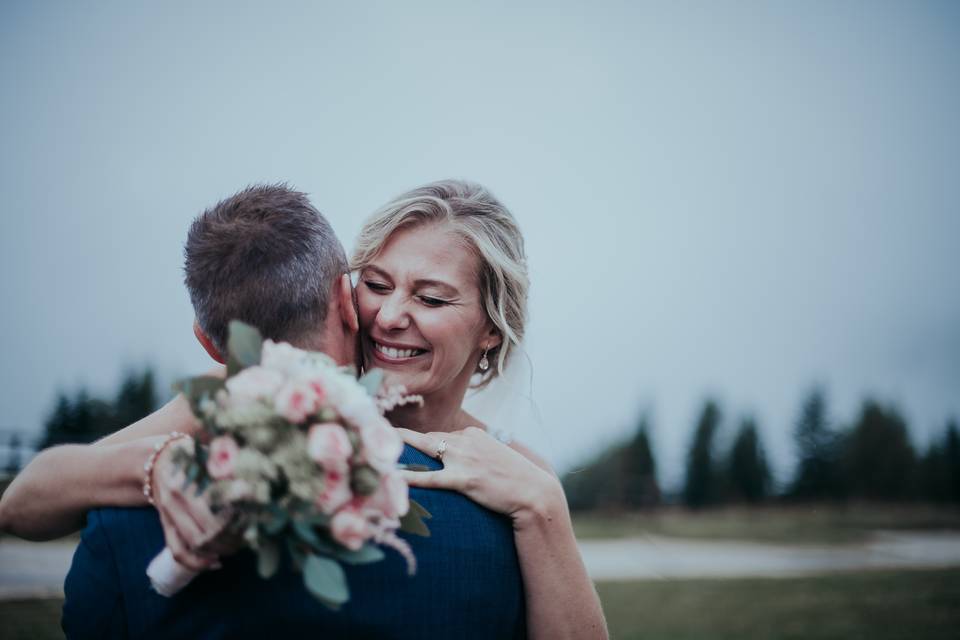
(152, 460)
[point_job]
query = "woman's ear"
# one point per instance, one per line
(348, 309)
(492, 339)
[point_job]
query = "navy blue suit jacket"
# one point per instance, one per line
(467, 585)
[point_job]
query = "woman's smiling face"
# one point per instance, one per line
(421, 317)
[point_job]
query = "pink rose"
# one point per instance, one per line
(336, 491)
(223, 452)
(392, 497)
(329, 446)
(253, 383)
(382, 445)
(295, 402)
(350, 528)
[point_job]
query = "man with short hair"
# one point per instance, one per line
(267, 257)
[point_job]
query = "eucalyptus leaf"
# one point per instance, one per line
(413, 521)
(244, 344)
(278, 520)
(414, 467)
(268, 559)
(324, 578)
(372, 381)
(305, 532)
(364, 555)
(296, 553)
(420, 509)
(192, 475)
(195, 390)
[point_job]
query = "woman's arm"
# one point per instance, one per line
(560, 597)
(50, 496)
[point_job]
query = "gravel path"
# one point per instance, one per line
(657, 557)
(37, 570)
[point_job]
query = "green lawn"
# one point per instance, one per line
(868, 605)
(30, 619)
(816, 524)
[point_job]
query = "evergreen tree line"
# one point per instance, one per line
(871, 459)
(81, 418)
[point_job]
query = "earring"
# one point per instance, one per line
(484, 363)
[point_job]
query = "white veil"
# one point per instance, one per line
(506, 405)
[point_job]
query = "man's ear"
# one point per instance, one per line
(207, 343)
(348, 310)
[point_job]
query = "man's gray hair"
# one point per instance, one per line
(267, 257)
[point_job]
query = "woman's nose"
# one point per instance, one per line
(392, 315)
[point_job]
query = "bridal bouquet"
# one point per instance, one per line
(299, 450)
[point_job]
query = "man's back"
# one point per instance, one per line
(467, 585)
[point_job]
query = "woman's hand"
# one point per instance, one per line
(196, 535)
(487, 471)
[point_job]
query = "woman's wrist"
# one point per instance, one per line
(544, 505)
(125, 462)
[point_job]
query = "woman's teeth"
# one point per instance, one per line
(390, 352)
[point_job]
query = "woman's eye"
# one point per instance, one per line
(432, 302)
(378, 287)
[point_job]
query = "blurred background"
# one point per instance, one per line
(741, 218)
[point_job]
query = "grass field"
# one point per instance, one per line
(817, 524)
(874, 605)
(878, 606)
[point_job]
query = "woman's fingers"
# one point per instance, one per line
(180, 550)
(442, 479)
(424, 442)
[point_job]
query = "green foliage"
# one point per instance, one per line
(244, 344)
(366, 554)
(621, 477)
(83, 419)
(268, 558)
(198, 389)
(13, 455)
(324, 578)
(818, 473)
(413, 521)
(879, 461)
(638, 471)
(372, 381)
(748, 474)
(951, 452)
(701, 488)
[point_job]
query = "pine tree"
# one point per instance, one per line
(951, 452)
(13, 455)
(59, 427)
(817, 475)
(748, 471)
(879, 461)
(135, 399)
(700, 488)
(638, 471)
(594, 485)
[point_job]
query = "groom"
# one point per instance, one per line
(267, 257)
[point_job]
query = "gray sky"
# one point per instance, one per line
(726, 199)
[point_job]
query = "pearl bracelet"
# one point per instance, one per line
(152, 460)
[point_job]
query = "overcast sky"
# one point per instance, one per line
(725, 199)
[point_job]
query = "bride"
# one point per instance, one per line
(441, 299)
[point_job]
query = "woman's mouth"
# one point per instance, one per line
(389, 353)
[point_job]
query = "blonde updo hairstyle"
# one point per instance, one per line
(488, 228)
